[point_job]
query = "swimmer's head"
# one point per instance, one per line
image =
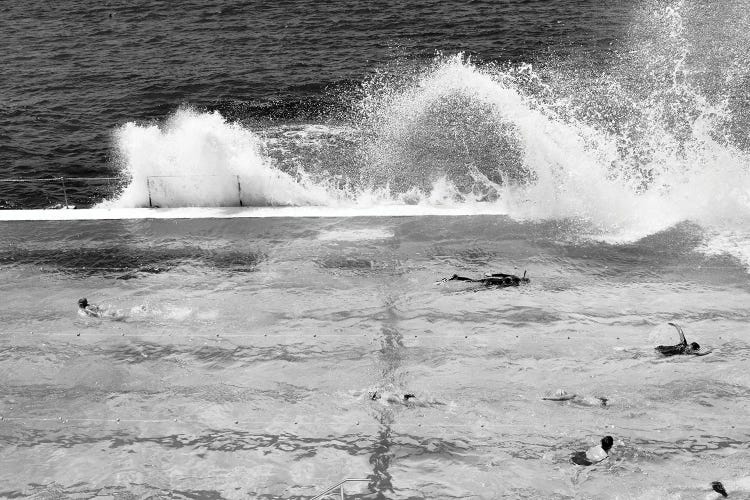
(719, 488)
(82, 303)
(607, 443)
(695, 346)
(407, 397)
(453, 277)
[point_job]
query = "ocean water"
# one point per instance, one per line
(336, 162)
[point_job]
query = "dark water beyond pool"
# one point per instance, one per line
(74, 72)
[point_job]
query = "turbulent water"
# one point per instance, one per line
(627, 118)
(602, 146)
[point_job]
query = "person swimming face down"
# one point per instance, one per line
(493, 279)
(682, 348)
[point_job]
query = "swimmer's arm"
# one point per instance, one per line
(703, 352)
(89, 311)
(679, 330)
(454, 277)
(596, 454)
(565, 397)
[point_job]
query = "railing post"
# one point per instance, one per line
(148, 188)
(239, 189)
(65, 194)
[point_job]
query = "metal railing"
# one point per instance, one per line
(340, 486)
(152, 184)
(149, 183)
(61, 182)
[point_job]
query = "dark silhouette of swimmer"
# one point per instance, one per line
(719, 488)
(94, 311)
(682, 348)
(86, 309)
(493, 279)
(738, 487)
(595, 454)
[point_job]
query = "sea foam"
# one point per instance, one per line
(650, 142)
(199, 159)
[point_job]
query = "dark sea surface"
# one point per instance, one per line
(74, 72)
(274, 194)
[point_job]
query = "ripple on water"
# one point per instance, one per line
(212, 357)
(372, 233)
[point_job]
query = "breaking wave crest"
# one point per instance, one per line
(658, 137)
(199, 159)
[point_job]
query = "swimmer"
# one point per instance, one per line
(719, 488)
(595, 454)
(396, 397)
(736, 488)
(563, 395)
(492, 279)
(94, 311)
(390, 397)
(86, 309)
(683, 347)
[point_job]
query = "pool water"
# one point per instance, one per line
(240, 357)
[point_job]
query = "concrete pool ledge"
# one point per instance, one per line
(244, 212)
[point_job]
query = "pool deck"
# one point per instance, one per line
(244, 212)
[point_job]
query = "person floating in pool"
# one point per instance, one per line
(583, 400)
(492, 279)
(95, 311)
(392, 397)
(595, 454)
(683, 347)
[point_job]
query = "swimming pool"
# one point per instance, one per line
(246, 352)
